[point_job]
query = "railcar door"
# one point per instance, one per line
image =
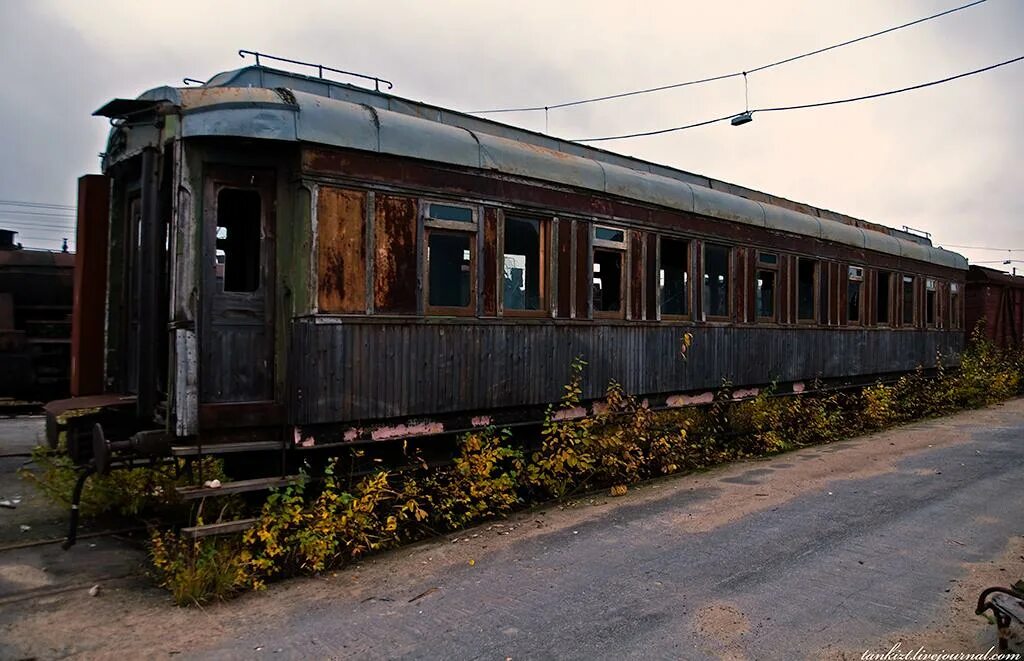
(237, 341)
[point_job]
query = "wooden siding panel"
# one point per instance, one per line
(341, 250)
(395, 276)
(387, 369)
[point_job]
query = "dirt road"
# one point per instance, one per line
(821, 553)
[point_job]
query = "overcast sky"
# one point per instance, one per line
(946, 160)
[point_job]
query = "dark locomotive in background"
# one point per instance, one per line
(273, 262)
(35, 324)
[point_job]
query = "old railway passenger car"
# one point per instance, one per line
(297, 262)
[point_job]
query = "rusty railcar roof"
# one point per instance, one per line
(259, 102)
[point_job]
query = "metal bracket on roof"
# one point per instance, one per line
(320, 68)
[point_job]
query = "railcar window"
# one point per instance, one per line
(954, 305)
(929, 302)
(806, 271)
(823, 296)
(855, 276)
(238, 235)
(882, 297)
(523, 287)
(607, 280)
(449, 212)
(609, 234)
(765, 295)
(909, 300)
(716, 280)
(449, 264)
(674, 278)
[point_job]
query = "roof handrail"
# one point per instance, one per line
(320, 68)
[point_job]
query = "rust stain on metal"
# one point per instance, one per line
(341, 252)
(490, 289)
(584, 272)
(564, 268)
(394, 275)
(636, 274)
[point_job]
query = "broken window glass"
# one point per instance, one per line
(716, 280)
(764, 293)
(607, 280)
(882, 298)
(674, 278)
(238, 236)
(929, 303)
(805, 272)
(449, 259)
(522, 264)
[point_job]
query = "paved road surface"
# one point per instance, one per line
(821, 553)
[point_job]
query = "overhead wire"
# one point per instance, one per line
(805, 106)
(734, 74)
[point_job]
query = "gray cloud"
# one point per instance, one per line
(946, 160)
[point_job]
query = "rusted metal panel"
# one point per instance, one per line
(489, 291)
(584, 271)
(498, 364)
(565, 268)
(651, 281)
(636, 275)
(90, 285)
(341, 250)
(395, 257)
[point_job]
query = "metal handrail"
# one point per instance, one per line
(320, 68)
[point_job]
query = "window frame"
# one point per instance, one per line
(729, 269)
(773, 267)
(888, 323)
(813, 319)
(689, 283)
(612, 246)
(913, 300)
(452, 227)
(859, 279)
(544, 276)
(931, 286)
(955, 321)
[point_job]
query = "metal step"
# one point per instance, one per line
(212, 529)
(225, 448)
(241, 486)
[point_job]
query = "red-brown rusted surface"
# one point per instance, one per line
(636, 274)
(341, 250)
(490, 285)
(90, 286)
(586, 205)
(565, 265)
(394, 273)
(584, 272)
(651, 277)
